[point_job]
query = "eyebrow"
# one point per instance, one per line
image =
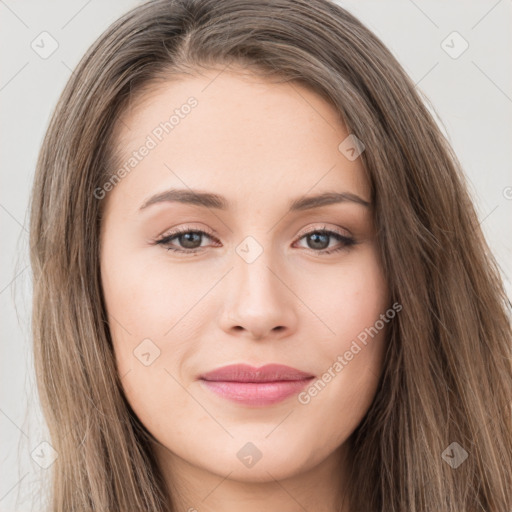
(210, 200)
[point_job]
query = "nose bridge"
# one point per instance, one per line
(257, 299)
(253, 276)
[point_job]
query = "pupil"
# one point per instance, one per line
(319, 241)
(187, 240)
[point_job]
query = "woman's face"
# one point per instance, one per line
(255, 284)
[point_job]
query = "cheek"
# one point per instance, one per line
(361, 300)
(155, 316)
(147, 298)
(144, 301)
(348, 298)
(354, 304)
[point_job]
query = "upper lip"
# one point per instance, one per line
(247, 373)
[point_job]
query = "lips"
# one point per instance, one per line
(246, 373)
(248, 385)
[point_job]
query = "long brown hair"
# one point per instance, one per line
(447, 371)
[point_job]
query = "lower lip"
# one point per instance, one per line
(257, 393)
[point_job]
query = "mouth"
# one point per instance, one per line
(246, 385)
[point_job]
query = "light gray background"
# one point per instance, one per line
(471, 94)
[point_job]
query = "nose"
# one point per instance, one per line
(259, 304)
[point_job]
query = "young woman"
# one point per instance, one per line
(259, 281)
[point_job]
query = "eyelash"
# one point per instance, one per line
(165, 241)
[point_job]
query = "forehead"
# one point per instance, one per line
(237, 134)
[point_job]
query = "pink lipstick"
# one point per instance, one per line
(247, 385)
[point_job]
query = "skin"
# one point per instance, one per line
(260, 145)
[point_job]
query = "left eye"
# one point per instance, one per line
(318, 241)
